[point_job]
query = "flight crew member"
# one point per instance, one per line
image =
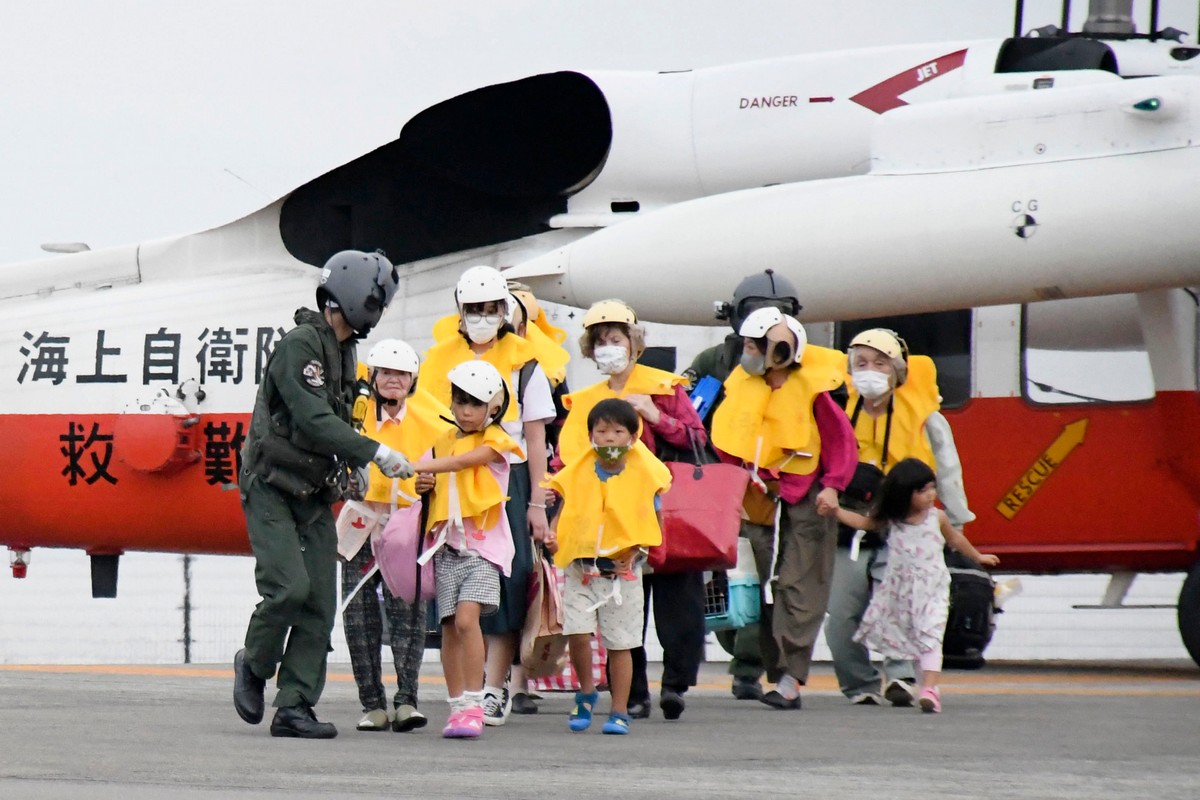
(759, 290)
(779, 421)
(295, 465)
(893, 407)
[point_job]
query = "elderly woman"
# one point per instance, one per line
(779, 421)
(893, 407)
(409, 422)
(614, 339)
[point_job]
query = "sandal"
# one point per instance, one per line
(618, 724)
(581, 716)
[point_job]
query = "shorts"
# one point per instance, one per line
(465, 577)
(619, 624)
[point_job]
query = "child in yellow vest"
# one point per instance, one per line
(472, 540)
(610, 515)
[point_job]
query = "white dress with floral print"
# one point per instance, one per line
(907, 614)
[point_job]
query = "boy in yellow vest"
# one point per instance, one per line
(610, 515)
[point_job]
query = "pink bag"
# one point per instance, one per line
(396, 550)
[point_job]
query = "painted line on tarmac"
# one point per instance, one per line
(1087, 684)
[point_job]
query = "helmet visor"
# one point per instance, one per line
(787, 305)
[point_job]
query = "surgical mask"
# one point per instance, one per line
(871, 384)
(611, 359)
(610, 452)
(481, 332)
(754, 364)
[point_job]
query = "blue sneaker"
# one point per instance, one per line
(581, 716)
(618, 724)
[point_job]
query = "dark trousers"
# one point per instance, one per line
(514, 589)
(295, 569)
(363, 622)
(679, 620)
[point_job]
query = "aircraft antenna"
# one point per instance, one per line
(1066, 16)
(1017, 20)
(1153, 20)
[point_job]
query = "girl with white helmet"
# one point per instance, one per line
(483, 332)
(473, 544)
(893, 406)
(408, 422)
(614, 339)
(779, 421)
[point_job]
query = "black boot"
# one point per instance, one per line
(247, 690)
(301, 723)
(671, 703)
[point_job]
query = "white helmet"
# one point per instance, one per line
(394, 354)
(773, 325)
(482, 381)
(481, 285)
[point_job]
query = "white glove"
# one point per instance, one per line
(392, 464)
(360, 479)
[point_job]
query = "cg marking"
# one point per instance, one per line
(1053, 457)
(1024, 224)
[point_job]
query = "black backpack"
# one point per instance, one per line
(972, 619)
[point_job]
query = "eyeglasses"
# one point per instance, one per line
(477, 317)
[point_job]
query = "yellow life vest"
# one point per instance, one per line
(912, 403)
(413, 436)
(550, 355)
(506, 355)
(479, 495)
(623, 505)
(573, 440)
(776, 428)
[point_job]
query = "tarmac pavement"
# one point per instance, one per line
(1008, 731)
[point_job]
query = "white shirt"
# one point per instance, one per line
(535, 405)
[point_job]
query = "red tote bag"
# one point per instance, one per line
(702, 514)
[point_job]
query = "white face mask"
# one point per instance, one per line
(611, 359)
(481, 332)
(871, 384)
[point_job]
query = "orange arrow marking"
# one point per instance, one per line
(1050, 460)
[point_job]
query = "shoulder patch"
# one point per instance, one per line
(314, 374)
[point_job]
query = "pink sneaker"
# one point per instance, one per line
(467, 724)
(930, 701)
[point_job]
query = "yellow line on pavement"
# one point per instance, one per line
(1133, 682)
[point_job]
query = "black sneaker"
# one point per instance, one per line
(299, 722)
(247, 690)
(522, 703)
(639, 709)
(671, 703)
(495, 708)
(900, 693)
(747, 688)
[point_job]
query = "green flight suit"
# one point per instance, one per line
(305, 400)
(718, 361)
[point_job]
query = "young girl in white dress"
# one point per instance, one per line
(907, 615)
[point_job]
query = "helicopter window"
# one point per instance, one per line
(945, 336)
(1083, 351)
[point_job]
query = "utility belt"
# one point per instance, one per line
(299, 472)
(870, 539)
